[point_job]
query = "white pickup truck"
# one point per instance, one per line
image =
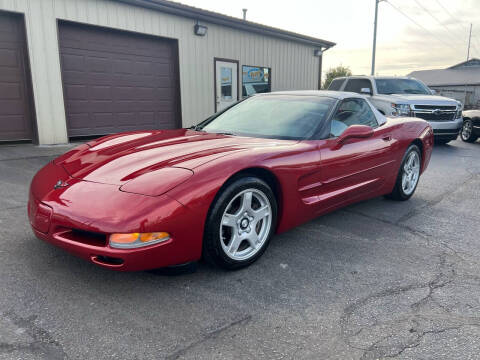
(405, 96)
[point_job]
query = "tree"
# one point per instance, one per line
(335, 72)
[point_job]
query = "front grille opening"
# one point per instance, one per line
(447, 116)
(84, 237)
(108, 260)
(433, 107)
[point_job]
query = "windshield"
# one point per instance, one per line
(273, 116)
(401, 86)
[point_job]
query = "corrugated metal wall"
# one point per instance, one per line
(293, 64)
(468, 95)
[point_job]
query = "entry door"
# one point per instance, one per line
(226, 83)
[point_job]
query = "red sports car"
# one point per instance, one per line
(221, 189)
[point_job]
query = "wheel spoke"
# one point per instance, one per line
(253, 239)
(247, 201)
(261, 213)
(411, 159)
(404, 182)
(229, 220)
(234, 244)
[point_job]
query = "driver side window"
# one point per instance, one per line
(352, 112)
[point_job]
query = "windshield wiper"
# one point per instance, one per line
(224, 133)
(196, 128)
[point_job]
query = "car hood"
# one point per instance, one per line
(416, 99)
(119, 158)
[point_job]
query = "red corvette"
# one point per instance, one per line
(220, 190)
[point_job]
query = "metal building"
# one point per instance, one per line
(71, 68)
(460, 82)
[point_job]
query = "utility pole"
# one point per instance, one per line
(375, 36)
(469, 40)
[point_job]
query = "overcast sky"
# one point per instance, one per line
(435, 36)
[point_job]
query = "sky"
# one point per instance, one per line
(411, 35)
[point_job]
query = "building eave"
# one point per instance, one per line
(229, 21)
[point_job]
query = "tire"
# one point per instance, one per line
(400, 193)
(467, 133)
(240, 224)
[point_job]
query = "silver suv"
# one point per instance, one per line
(405, 96)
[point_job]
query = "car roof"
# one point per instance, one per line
(340, 95)
(374, 77)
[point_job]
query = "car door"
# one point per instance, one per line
(357, 167)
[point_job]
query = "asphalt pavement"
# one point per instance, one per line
(379, 279)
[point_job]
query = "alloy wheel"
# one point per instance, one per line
(411, 173)
(245, 224)
(466, 130)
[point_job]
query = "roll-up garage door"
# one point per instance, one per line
(15, 91)
(117, 81)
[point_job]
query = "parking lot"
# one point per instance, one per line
(379, 279)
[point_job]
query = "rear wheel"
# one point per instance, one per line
(240, 224)
(466, 133)
(408, 176)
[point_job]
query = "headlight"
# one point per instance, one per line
(157, 182)
(136, 240)
(459, 110)
(401, 110)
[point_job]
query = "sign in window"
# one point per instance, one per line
(255, 79)
(226, 82)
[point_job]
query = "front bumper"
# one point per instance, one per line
(80, 216)
(449, 129)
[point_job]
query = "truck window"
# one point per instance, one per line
(401, 86)
(336, 84)
(355, 85)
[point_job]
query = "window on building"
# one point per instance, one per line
(356, 85)
(352, 112)
(255, 79)
(226, 74)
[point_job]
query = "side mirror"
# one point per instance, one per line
(434, 92)
(366, 91)
(355, 132)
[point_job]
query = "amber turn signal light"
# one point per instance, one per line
(136, 240)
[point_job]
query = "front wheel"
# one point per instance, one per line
(240, 224)
(408, 176)
(466, 133)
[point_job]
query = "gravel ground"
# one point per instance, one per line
(379, 279)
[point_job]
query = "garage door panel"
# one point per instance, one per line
(98, 64)
(10, 91)
(117, 81)
(15, 113)
(76, 92)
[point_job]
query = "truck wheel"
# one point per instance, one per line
(466, 133)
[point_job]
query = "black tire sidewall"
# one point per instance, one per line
(212, 248)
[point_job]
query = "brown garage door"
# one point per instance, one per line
(117, 81)
(15, 94)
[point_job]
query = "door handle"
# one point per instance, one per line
(387, 138)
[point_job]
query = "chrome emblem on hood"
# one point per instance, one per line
(60, 184)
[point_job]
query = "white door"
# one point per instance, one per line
(226, 86)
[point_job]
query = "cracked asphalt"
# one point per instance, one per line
(379, 279)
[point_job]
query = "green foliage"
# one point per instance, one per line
(335, 72)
